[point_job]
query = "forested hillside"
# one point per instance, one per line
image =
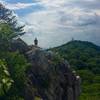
(84, 57)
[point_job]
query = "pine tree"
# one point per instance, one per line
(7, 16)
(9, 28)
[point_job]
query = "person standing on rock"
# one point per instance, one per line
(35, 42)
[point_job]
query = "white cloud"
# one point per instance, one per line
(60, 20)
(18, 5)
(2, 1)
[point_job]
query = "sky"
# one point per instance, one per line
(55, 22)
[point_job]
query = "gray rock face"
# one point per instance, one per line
(52, 81)
(50, 78)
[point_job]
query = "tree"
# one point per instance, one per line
(7, 16)
(86, 75)
(18, 65)
(13, 77)
(6, 34)
(9, 28)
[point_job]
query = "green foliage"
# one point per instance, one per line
(5, 36)
(86, 96)
(13, 77)
(5, 78)
(81, 55)
(92, 89)
(91, 92)
(37, 98)
(84, 57)
(5, 31)
(18, 66)
(56, 59)
(13, 69)
(97, 79)
(86, 75)
(7, 16)
(15, 98)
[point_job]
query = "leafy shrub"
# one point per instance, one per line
(5, 78)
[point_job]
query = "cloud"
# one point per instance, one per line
(20, 5)
(17, 6)
(60, 20)
(2, 1)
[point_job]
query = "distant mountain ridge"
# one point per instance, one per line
(78, 43)
(79, 51)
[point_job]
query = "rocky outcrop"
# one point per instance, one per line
(53, 82)
(50, 77)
